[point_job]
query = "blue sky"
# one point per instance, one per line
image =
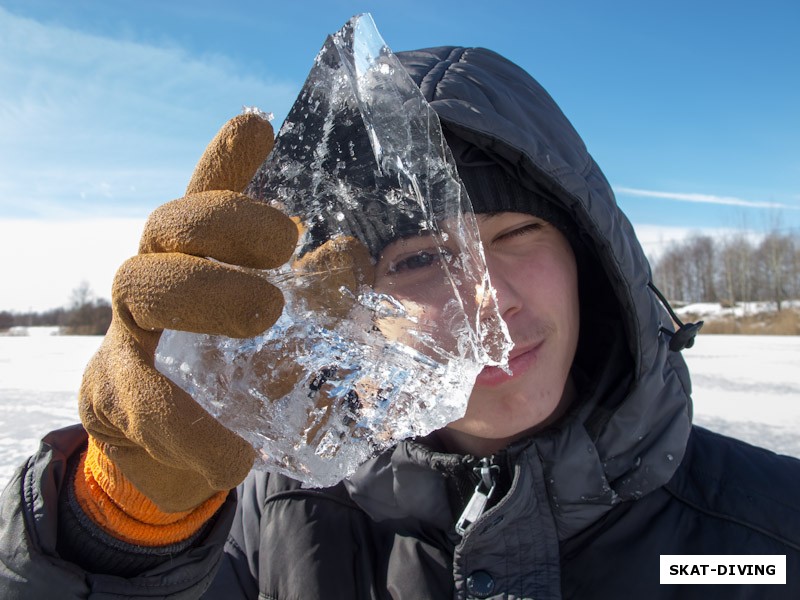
(691, 108)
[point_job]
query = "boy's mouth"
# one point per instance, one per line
(520, 360)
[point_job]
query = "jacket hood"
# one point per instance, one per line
(627, 434)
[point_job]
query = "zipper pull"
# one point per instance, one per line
(480, 498)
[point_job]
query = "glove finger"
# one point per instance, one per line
(178, 291)
(340, 262)
(147, 410)
(275, 368)
(233, 156)
(223, 225)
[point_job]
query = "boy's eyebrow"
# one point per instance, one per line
(414, 236)
(405, 239)
(490, 215)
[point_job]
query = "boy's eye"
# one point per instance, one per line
(525, 229)
(418, 260)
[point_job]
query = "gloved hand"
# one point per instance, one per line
(332, 276)
(150, 430)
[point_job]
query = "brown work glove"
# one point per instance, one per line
(142, 424)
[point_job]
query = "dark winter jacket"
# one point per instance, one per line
(586, 507)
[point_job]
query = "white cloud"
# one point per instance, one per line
(45, 260)
(97, 132)
(701, 198)
(657, 238)
(98, 126)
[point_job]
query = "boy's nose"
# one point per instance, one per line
(502, 279)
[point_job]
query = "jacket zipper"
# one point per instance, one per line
(487, 471)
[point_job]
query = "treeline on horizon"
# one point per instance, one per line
(731, 269)
(735, 270)
(84, 315)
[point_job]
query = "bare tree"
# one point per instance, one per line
(669, 272)
(81, 295)
(700, 267)
(735, 262)
(775, 255)
(86, 314)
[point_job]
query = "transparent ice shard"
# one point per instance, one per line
(389, 313)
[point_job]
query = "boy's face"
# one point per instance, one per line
(532, 268)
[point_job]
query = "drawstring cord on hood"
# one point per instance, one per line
(686, 332)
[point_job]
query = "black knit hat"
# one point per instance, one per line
(492, 189)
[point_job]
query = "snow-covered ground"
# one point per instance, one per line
(715, 310)
(748, 387)
(39, 380)
(744, 386)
